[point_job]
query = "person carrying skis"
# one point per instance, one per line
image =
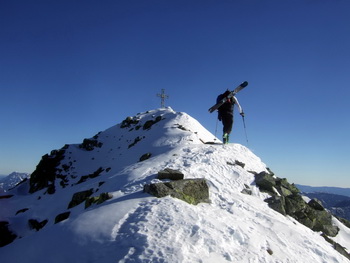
(225, 114)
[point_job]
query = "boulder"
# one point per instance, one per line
(277, 203)
(316, 204)
(79, 197)
(266, 182)
(170, 174)
(294, 204)
(192, 191)
(97, 199)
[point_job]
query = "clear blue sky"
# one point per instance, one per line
(69, 69)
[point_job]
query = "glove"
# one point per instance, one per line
(242, 114)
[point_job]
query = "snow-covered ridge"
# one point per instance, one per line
(133, 226)
(11, 180)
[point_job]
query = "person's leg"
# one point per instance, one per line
(227, 122)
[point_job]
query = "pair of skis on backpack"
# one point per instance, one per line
(232, 93)
(222, 101)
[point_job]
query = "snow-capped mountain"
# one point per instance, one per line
(85, 203)
(11, 180)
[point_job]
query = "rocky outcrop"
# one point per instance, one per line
(6, 235)
(45, 173)
(90, 144)
(148, 124)
(192, 191)
(287, 200)
(128, 122)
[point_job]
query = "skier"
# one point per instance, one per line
(225, 114)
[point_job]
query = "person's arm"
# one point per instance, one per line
(238, 105)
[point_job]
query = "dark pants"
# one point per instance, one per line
(227, 122)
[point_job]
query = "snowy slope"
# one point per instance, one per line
(136, 227)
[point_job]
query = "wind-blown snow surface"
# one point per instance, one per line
(136, 227)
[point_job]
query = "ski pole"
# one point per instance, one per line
(245, 131)
(216, 129)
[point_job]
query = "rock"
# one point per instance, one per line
(277, 203)
(90, 176)
(246, 190)
(35, 224)
(316, 204)
(90, 144)
(79, 197)
(337, 246)
(192, 191)
(170, 174)
(324, 224)
(22, 210)
(266, 182)
(288, 201)
(145, 157)
(128, 122)
(6, 235)
(294, 203)
(5, 196)
(285, 184)
(61, 217)
(45, 172)
(239, 163)
(97, 199)
(330, 230)
(137, 139)
(284, 191)
(150, 123)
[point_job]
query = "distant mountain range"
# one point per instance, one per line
(324, 189)
(11, 180)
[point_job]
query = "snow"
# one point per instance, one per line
(136, 227)
(11, 180)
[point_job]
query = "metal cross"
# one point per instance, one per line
(162, 96)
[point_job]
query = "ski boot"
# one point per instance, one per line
(225, 138)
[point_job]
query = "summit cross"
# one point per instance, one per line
(162, 96)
